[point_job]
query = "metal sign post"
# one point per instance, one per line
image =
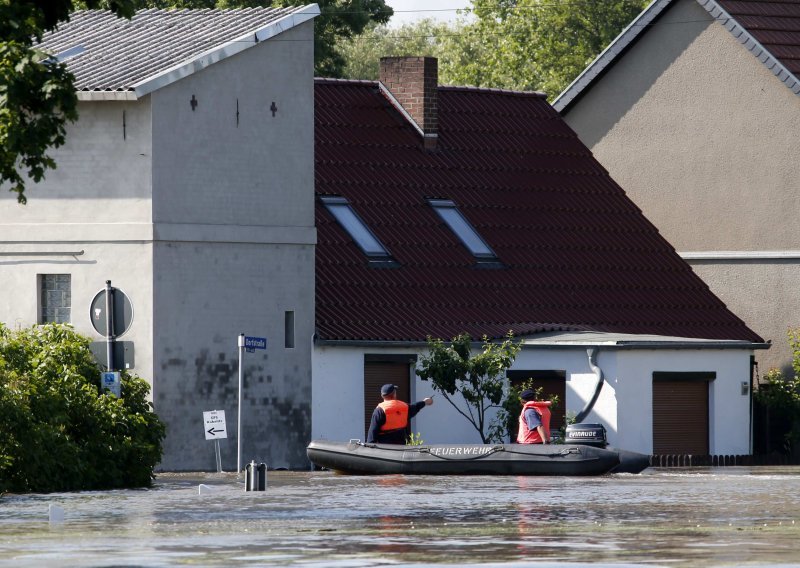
(215, 428)
(251, 344)
(109, 326)
(239, 418)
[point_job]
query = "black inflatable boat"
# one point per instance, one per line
(587, 456)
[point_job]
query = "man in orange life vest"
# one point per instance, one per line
(390, 420)
(534, 420)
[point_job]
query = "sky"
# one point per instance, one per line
(408, 11)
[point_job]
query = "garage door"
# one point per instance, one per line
(680, 413)
(553, 383)
(377, 374)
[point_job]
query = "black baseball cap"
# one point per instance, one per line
(527, 394)
(388, 388)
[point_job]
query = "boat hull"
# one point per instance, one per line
(462, 459)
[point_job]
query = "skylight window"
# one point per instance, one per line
(356, 228)
(450, 214)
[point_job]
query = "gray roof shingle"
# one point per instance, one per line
(111, 54)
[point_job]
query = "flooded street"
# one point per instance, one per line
(663, 517)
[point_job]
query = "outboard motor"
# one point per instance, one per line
(586, 434)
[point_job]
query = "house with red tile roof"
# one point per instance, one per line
(447, 210)
(695, 109)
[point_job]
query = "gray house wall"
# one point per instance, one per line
(703, 138)
(208, 227)
(234, 251)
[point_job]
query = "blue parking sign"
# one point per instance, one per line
(109, 381)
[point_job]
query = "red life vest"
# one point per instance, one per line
(396, 415)
(526, 436)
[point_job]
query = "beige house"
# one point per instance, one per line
(694, 110)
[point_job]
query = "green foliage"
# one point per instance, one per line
(781, 394)
(478, 379)
(540, 44)
(414, 439)
(428, 38)
(59, 432)
(37, 94)
(510, 44)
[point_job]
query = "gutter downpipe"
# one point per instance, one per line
(592, 353)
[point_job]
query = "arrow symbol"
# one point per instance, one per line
(213, 431)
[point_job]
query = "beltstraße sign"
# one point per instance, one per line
(253, 343)
(214, 424)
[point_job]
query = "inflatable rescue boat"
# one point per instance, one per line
(586, 456)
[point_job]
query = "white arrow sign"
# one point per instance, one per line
(214, 424)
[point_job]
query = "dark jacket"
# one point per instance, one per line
(374, 434)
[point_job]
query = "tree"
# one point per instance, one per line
(479, 380)
(37, 96)
(60, 433)
(509, 44)
(541, 44)
(781, 394)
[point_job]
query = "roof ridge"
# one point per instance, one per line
(462, 88)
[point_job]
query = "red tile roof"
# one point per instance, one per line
(577, 254)
(774, 24)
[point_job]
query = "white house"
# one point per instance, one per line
(444, 210)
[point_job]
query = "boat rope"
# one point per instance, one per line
(562, 453)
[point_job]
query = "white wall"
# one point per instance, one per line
(624, 405)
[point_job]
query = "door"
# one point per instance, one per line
(553, 383)
(377, 374)
(680, 413)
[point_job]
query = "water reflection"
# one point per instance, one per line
(712, 516)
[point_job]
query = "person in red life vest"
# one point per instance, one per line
(390, 419)
(534, 420)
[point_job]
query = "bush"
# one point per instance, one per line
(59, 433)
(781, 394)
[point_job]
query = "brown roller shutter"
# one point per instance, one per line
(377, 374)
(680, 414)
(552, 383)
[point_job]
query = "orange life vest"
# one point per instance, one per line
(396, 415)
(527, 436)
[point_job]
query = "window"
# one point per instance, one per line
(288, 330)
(355, 227)
(450, 214)
(55, 298)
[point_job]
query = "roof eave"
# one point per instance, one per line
(596, 68)
(751, 44)
(200, 62)
(631, 33)
(616, 345)
(91, 96)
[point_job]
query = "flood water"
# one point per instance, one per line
(663, 517)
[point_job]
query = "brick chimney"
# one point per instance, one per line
(411, 83)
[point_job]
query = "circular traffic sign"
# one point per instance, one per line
(122, 311)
